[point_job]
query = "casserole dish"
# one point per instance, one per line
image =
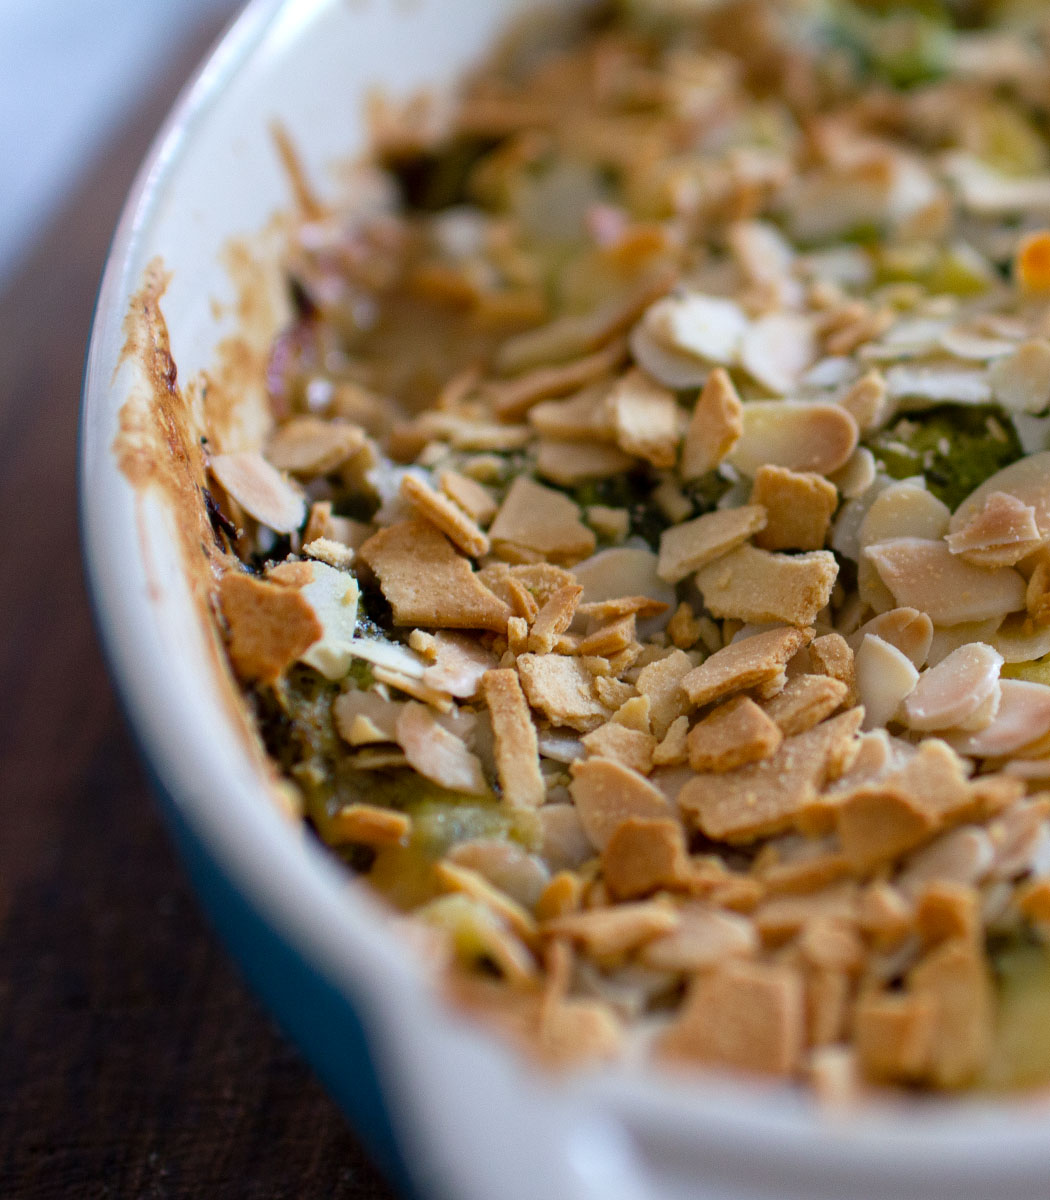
(447, 1111)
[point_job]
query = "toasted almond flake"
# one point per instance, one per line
(427, 583)
(631, 747)
(1021, 380)
(894, 1036)
(798, 505)
(569, 463)
(687, 547)
(714, 428)
(947, 909)
(554, 618)
(621, 606)
(613, 524)
(260, 489)
(642, 856)
(782, 917)
(564, 893)
(366, 717)
(805, 701)
(455, 878)
(471, 496)
(581, 417)
(802, 437)
(478, 933)
(879, 820)
(270, 625)
(950, 693)
(734, 734)
(765, 588)
(777, 350)
(542, 521)
(741, 1015)
(904, 509)
(644, 418)
(1028, 480)
(868, 402)
(924, 574)
(512, 399)
(833, 656)
(562, 689)
(885, 914)
(955, 981)
(705, 938)
(459, 666)
(634, 713)
(606, 793)
(335, 554)
(673, 750)
(660, 682)
(610, 932)
(391, 655)
(437, 754)
(771, 796)
(753, 662)
(578, 1031)
(312, 446)
(367, 825)
(969, 345)
(707, 328)
(446, 516)
(1022, 717)
(908, 629)
(885, 677)
(613, 693)
(683, 628)
(999, 535)
(507, 866)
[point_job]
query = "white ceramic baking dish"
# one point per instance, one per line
(448, 1111)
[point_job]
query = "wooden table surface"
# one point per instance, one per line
(133, 1063)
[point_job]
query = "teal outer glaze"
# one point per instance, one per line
(310, 1009)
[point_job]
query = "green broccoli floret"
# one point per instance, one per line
(954, 447)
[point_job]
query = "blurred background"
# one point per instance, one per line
(133, 1063)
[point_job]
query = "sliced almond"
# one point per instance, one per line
(570, 463)
(687, 547)
(801, 437)
(1022, 717)
(707, 329)
(950, 693)
(757, 586)
(714, 428)
(511, 399)
(908, 629)
(661, 683)
(437, 754)
(885, 677)
(955, 981)
(705, 938)
(260, 489)
(1027, 480)
(777, 349)
(367, 825)
(1021, 380)
(312, 446)
(924, 574)
(459, 665)
(644, 418)
(611, 932)
(999, 535)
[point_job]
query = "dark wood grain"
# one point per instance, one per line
(132, 1061)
